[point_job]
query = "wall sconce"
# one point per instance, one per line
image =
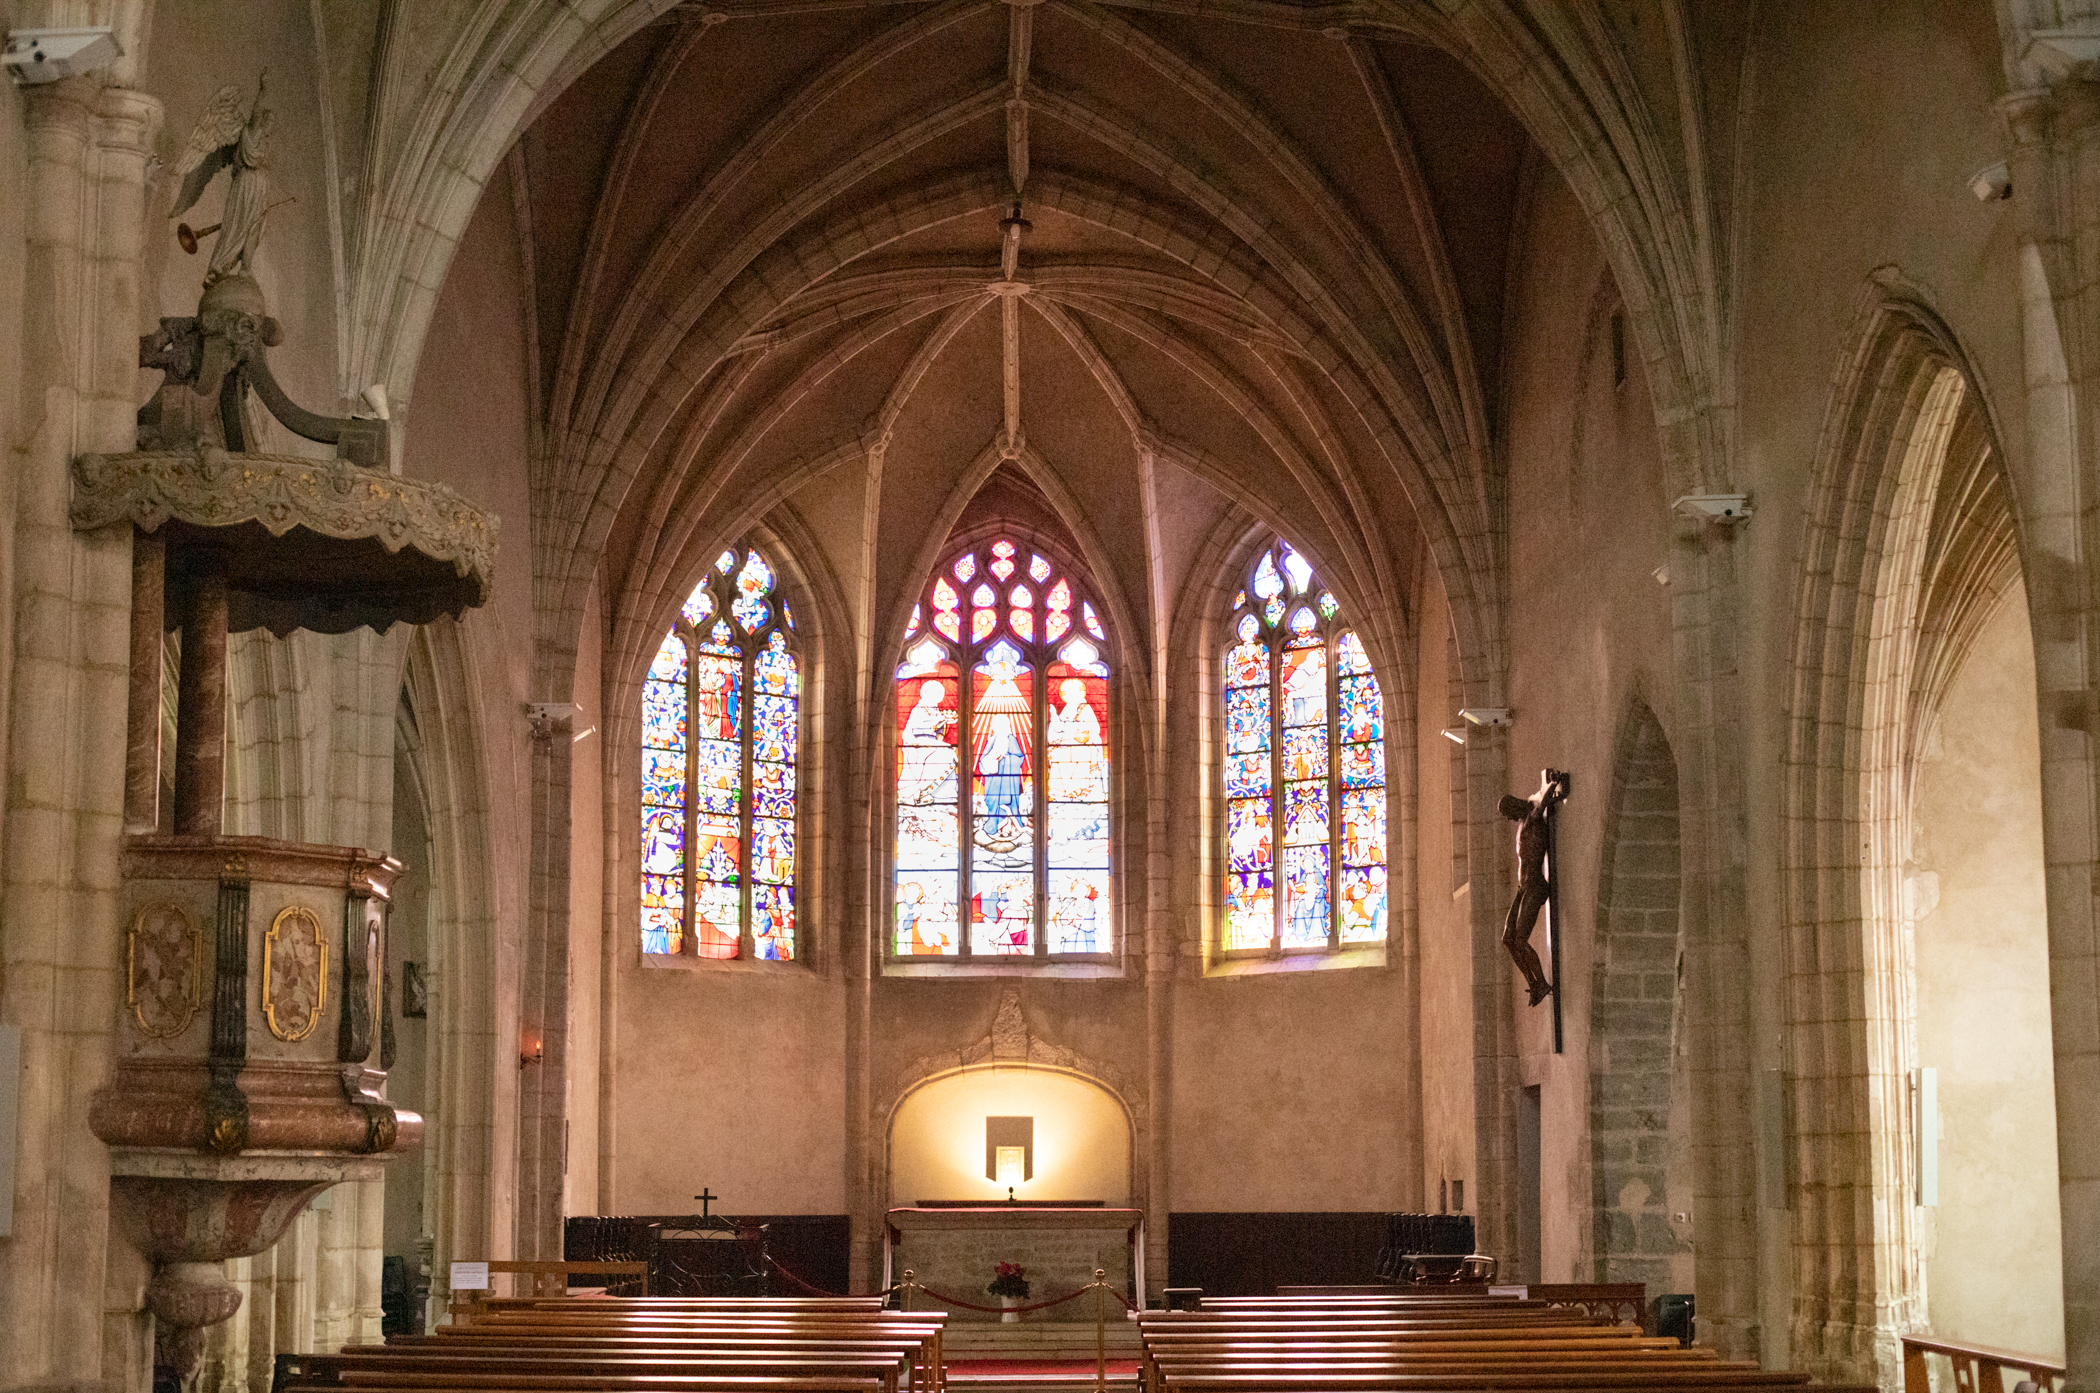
(531, 1049)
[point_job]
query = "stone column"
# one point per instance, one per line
(2056, 197)
(65, 716)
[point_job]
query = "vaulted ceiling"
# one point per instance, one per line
(768, 239)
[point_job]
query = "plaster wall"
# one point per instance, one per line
(1282, 1096)
(1081, 1143)
(1589, 526)
(732, 1079)
(1983, 1003)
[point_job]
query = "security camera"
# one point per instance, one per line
(1727, 508)
(1487, 715)
(1990, 185)
(46, 55)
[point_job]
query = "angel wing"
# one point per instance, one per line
(211, 146)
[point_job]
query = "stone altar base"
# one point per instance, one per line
(956, 1251)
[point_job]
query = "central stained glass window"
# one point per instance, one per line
(720, 720)
(1003, 846)
(1304, 756)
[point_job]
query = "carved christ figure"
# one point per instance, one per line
(1533, 817)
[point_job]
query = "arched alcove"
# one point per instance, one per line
(1636, 1109)
(1079, 1135)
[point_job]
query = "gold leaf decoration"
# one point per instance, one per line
(295, 973)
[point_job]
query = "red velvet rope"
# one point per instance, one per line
(947, 1300)
(812, 1288)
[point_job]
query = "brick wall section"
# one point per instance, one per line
(1633, 995)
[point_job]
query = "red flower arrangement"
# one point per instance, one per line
(1012, 1280)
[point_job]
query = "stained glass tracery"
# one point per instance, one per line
(1002, 834)
(720, 725)
(1304, 768)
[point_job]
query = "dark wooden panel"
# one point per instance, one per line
(1251, 1254)
(814, 1247)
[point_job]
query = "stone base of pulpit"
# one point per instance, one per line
(956, 1252)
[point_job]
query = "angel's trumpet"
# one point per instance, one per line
(188, 237)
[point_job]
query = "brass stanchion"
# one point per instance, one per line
(1100, 1330)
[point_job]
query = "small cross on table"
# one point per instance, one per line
(706, 1198)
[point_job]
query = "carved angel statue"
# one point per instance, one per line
(226, 137)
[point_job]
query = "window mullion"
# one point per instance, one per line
(1040, 691)
(1334, 795)
(965, 772)
(688, 940)
(1277, 879)
(747, 709)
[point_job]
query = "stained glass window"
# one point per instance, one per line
(1002, 845)
(1304, 768)
(720, 729)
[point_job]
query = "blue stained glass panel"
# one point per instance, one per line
(773, 724)
(1248, 836)
(718, 777)
(663, 778)
(1246, 775)
(663, 842)
(1361, 910)
(1002, 914)
(1349, 655)
(772, 851)
(1305, 687)
(1362, 714)
(1363, 828)
(1272, 611)
(926, 917)
(1247, 665)
(1093, 620)
(1305, 753)
(718, 680)
(699, 605)
(772, 790)
(1363, 766)
(1305, 912)
(1250, 910)
(669, 663)
(773, 923)
(1268, 582)
(1079, 909)
(776, 669)
(750, 612)
(1305, 813)
(660, 931)
(716, 910)
(663, 715)
(1247, 719)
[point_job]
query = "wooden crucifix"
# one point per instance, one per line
(1534, 819)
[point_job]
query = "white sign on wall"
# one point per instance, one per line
(470, 1276)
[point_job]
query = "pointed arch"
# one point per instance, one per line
(1633, 1023)
(1894, 583)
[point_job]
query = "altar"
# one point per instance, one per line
(956, 1249)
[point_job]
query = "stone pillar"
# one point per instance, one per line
(2056, 197)
(65, 715)
(543, 1000)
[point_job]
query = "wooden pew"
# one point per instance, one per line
(1387, 1343)
(644, 1345)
